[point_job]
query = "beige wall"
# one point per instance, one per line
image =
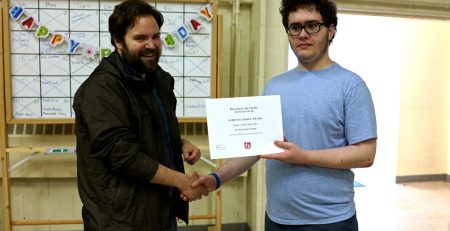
(424, 108)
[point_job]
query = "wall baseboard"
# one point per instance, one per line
(422, 178)
(225, 227)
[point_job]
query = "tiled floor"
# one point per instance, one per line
(422, 206)
(384, 206)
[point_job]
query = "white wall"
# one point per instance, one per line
(371, 47)
(404, 62)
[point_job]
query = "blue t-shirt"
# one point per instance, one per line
(321, 109)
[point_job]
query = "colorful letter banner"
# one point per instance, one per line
(30, 23)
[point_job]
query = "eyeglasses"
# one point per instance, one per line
(310, 28)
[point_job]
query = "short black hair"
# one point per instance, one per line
(125, 15)
(326, 8)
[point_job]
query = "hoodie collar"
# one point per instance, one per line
(124, 67)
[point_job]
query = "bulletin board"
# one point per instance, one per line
(53, 45)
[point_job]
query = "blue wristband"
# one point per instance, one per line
(217, 179)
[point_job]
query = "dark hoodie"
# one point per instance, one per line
(120, 142)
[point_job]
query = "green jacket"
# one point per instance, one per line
(120, 142)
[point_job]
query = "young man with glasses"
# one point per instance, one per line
(329, 124)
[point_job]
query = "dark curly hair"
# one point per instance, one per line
(125, 15)
(326, 8)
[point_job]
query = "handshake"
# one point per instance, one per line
(195, 186)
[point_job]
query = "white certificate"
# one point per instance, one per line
(244, 126)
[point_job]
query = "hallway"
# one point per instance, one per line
(421, 206)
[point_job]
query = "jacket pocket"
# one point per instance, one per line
(121, 194)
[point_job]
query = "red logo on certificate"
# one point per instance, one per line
(247, 145)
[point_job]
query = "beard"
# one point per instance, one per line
(143, 61)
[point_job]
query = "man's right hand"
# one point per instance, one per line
(190, 193)
(207, 181)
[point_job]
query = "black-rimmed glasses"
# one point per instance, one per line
(310, 28)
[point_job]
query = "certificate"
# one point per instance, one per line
(244, 126)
